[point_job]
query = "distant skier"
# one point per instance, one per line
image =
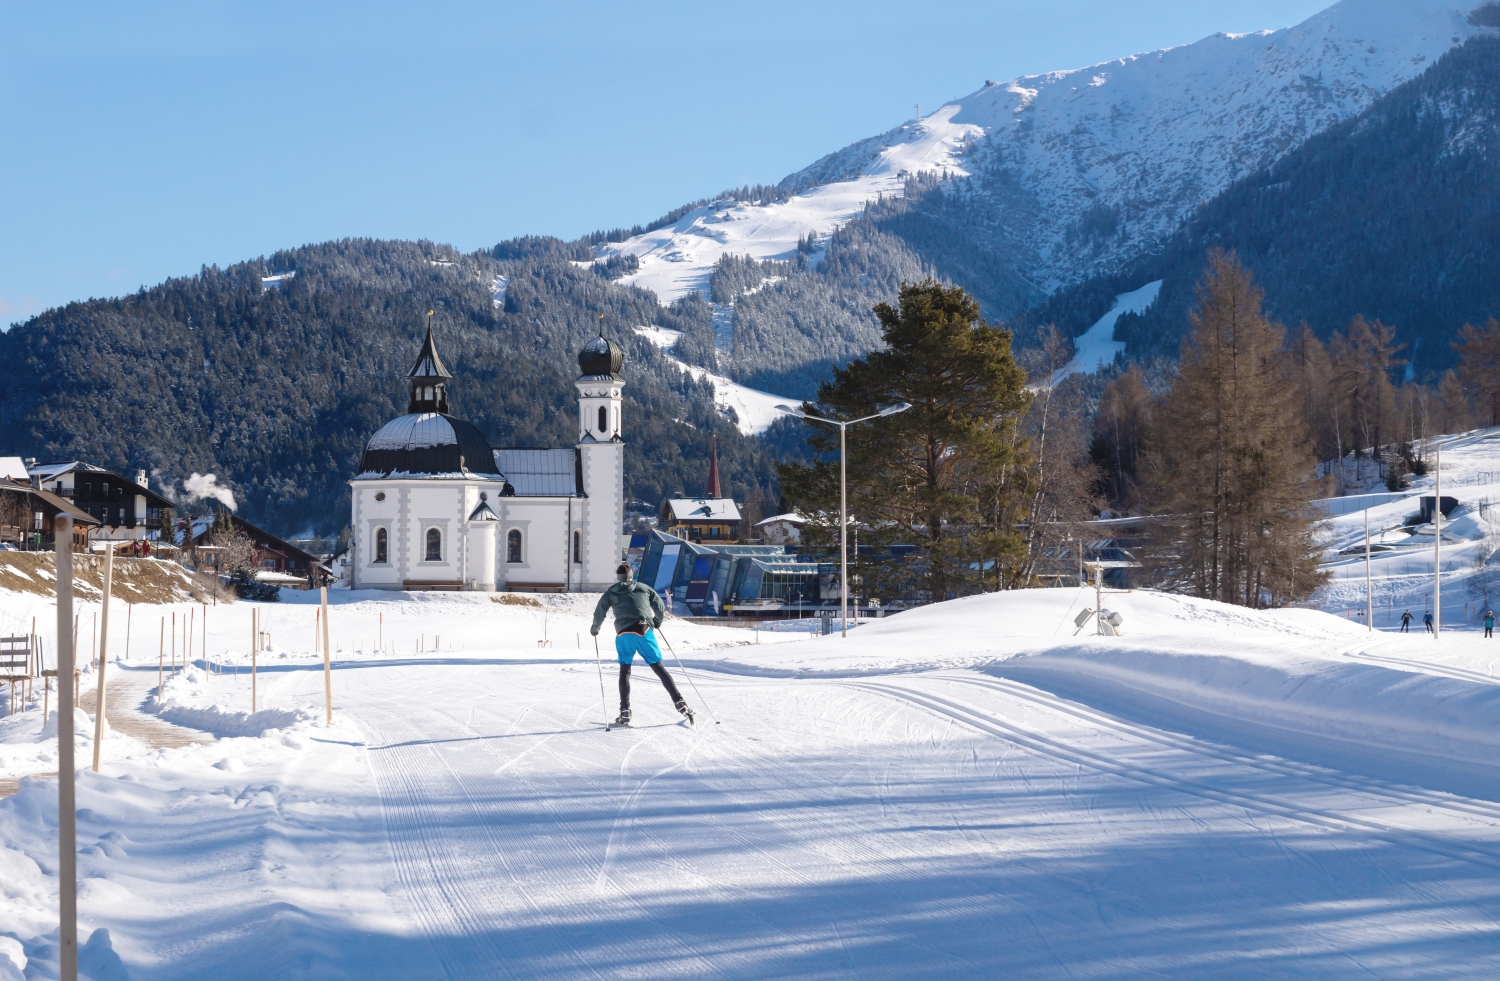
(638, 612)
(1405, 621)
(1427, 621)
(1489, 623)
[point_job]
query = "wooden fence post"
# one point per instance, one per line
(67, 813)
(99, 723)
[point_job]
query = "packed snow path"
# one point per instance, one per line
(950, 825)
(933, 797)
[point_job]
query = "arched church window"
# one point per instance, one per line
(513, 546)
(578, 546)
(381, 548)
(434, 545)
(603, 420)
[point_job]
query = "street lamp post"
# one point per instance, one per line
(889, 410)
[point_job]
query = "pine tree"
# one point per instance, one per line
(944, 475)
(1231, 474)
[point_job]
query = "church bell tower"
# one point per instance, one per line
(601, 455)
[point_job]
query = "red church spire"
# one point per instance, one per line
(714, 491)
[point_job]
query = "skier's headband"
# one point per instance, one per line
(623, 572)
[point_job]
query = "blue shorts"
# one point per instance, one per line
(627, 646)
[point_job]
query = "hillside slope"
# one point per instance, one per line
(1394, 215)
(276, 390)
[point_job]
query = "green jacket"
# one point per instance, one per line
(631, 602)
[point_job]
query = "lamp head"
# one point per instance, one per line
(891, 410)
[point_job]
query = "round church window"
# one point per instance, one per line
(380, 496)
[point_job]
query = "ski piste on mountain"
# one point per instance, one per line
(1131, 145)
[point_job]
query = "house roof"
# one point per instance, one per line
(52, 471)
(791, 518)
(52, 500)
(12, 467)
(203, 529)
(704, 509)
(541, 473)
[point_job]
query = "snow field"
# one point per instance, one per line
(755, 410)
(965, 790)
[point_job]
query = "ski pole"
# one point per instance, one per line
(688, 677)
(598, 666)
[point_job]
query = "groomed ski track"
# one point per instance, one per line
(949, 824)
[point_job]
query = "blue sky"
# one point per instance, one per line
(145, 140)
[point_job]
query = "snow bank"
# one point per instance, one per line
(192, 700)
(1298, 683)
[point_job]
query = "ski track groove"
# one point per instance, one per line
(1262, 803)
(1209, 750)
(620, 938)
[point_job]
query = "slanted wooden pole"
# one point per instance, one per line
(67, 808)
(161, 648)
(327, 664)
(99, 723)
(174, 642)
(254, 648)
(129, 611)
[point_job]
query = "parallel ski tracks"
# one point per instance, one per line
(454, 894)
(1258, 802)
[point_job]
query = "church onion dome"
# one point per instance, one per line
(428, 444)
(601, 357)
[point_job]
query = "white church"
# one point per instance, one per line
(436, 507)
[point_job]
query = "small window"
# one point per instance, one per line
(603, 420)
(578, 547)
(513, 546)
(434, 545)
(381, 539)
(380, 495)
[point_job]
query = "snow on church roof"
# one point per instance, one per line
(419, 429)
(542, 473)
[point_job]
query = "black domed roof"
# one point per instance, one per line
(601, 356)
(422, 443)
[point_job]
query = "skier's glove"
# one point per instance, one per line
(656, 623)
(593, 631)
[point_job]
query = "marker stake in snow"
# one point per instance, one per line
(1437, 544)
(1369, 595)
(327, 665)
(109, 575)
(254, 644)
(67, 815)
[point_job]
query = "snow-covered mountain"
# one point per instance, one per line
(1092, 165)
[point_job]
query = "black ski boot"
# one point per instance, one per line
(682, 707)
(623, 722)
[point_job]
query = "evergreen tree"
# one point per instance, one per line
(1231, 474)
(943, 475)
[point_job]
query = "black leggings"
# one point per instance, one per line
(661, 673)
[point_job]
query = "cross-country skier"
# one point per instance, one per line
(1489, 623)
(638, 612)
(1427, 621)
(1405, 621)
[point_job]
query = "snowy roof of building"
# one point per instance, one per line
(427, 443)
(704, 509)
(483, 513)
(13, 468)
(791, 518)
(541, 473)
